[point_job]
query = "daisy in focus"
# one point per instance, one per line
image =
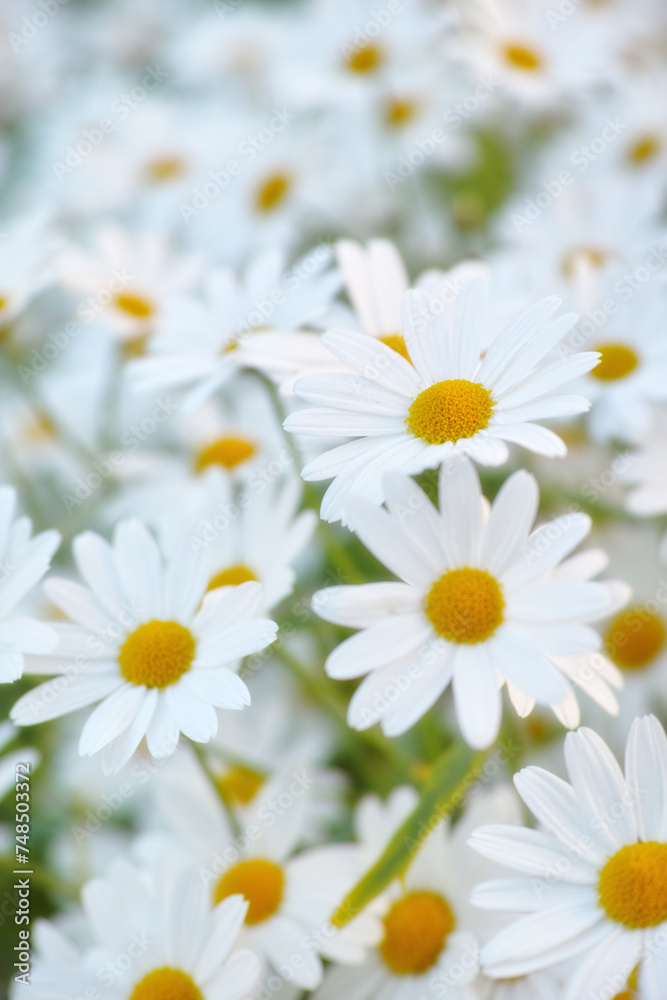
(593, 882)
(447, 400)
(154, 937)
(480, 605)
(23, 563)
(146, 643)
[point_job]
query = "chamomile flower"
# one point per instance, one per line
(144, 644)
(480, 605)
(291, 895)
(249, 320)
(593, 879)
(125, 278)
(447, 400)
(153, 936)
(431, 934)
(23, 563)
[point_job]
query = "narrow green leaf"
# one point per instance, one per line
(443, 790)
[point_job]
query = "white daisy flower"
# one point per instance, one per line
(480, 604)
(291, 896)
(631, 377)
(450, 400)
(593, 882)
(23, 563)
(245, 320)
(144, 643)
(125, 278)
(431, 934)
(154, 937)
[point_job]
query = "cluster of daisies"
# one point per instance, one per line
(333, 496)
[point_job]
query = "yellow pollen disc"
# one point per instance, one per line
(365, 60)
(260, 881)
(3, 302)
(157, 654)
(415, 931)
(397, 343)
(521, 57)
(617, 361)
(166, 168)
(228, 452)
(593, 256)
(465, 605)
(448, 411)
(134, 347)
(633, 885)
(133, 305)
(231, 577)
(644, 149)
(272, 192)
(635, 638)
(240, 784)
(166, 984)
(399, 112)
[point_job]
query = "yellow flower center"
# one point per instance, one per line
(616, 362)
(595, 257)
(240, 784)
(231, 577)
(643, 150)
(521, 57)
(166, 984)
(165, 168)
(228, 452)
(465, 605)
(135, 347)
(635, 638)
(273, 192)
(397, 343)
(366, 59)
(157, 654)
(633, 885)
(448, 411)
(260, 882)
(3, 302)
(415, 931)
(134, 305)
(398, 112)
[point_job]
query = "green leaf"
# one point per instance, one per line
(442, 791)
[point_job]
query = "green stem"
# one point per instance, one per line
(201, 752)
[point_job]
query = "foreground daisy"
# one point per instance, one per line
(144, 643)
(431, 935)
(155, 938)
(23, 563)
(481, 604)
(594, 879)
(448, 399)
(291, 893)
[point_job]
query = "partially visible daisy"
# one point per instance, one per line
(26, 262)
(125, 278)
(23, 563)
(431, 934)
(153, 937)
(249, 319)
(481, 604)
(631, 377)
(291, 894)
(593, 882)
(146, 643)
(447, 400)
